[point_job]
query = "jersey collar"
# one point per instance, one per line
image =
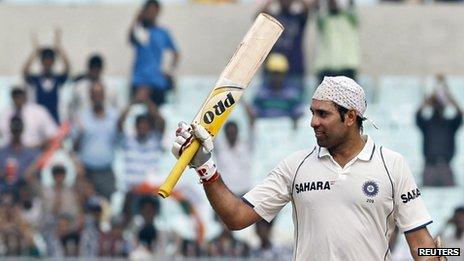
(365, 155)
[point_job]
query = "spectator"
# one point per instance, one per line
(149, 238)
(148, 209)
(234, 155)
(60, 199)
(278, 97)
(30, 205)
(457, 238)
(439, 135)
(267, 250)
(113, 243)
(226, 245)
(81, 100)
(61, 237)
(15, 158)
(149, 41)
(38, 125)
(190, 249)
(91, 231)
(293, 14)
(95, 141)
(142, 152)
(86, 195)
(47, 83)
(16, 235)
(338, 52)
(145, 238)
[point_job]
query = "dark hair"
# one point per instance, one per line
(93, 204)
(149, 200)
(47, 53)
(141, 117)
(17, 91)
(151, 2)
(342, 111)
(459, 210)
(58, 169)
(95, 61)
(231, 124)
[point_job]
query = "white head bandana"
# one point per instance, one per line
(344, 92)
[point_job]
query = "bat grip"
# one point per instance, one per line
(176, 171)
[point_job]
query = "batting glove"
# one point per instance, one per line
(202, 161)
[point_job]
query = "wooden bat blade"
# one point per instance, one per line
(229, 88)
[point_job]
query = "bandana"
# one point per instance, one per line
(345, 92)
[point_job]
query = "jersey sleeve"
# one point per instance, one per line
(170, 45)
(269, 197)
(411, 213)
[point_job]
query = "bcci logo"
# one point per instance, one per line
(370, 188)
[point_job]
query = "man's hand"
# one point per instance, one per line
(202, 161)
(439, 244)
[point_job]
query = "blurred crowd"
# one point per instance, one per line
(76, 218)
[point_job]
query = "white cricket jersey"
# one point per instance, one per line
(343, 213)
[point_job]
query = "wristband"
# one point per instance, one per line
(213, 179)
(207, 170)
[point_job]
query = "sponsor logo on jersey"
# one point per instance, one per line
(313, 185)
(370, 188)
(411, 195)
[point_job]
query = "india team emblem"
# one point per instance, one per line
(370, 188)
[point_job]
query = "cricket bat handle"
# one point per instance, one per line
(176, 171)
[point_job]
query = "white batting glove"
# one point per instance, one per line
(201, 162)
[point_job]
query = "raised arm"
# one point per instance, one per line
(122, 118)
(60, 51)
(135, 21)
(158, 121)
(452, 100)
(233, 211)
(35, 52)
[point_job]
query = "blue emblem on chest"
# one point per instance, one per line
(370, 188)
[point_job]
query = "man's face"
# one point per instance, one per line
(285, 4)
(148, 212)
(19, 100)
(58, 178)
(142, 128)
(95, 72)
(47, 64)
(231, 133)
(328, 127)
(150, 13)
(277, 80)
(459, 220)
(437, 105)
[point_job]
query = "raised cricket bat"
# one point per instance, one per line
(229, 88)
